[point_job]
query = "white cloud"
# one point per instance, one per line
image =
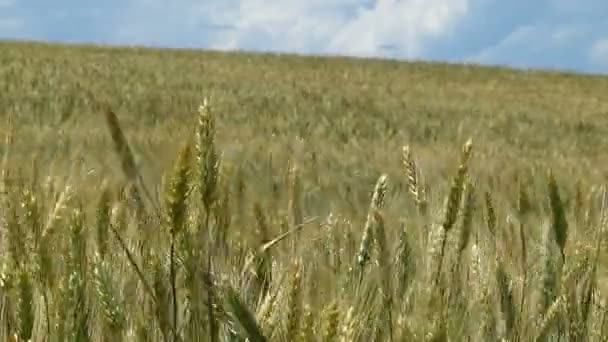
(347, 27)
(280, 25)
(405, 26)
(598, 54)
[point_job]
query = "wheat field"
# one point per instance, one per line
(175, 195)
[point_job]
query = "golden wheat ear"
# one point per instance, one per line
(413, 180)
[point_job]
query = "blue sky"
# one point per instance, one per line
(551, 34)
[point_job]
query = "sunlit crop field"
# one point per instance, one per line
(174, 195)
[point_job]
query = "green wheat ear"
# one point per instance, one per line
(377, 202)
(176, 204)
(103, 219)
(294, 301)
(452, 208)
(25, 305)
(178, 189)
(331, 317)
(207, 157)
(457, 188)
(110, 301)
(241, 318)
(127, 160)
(559, 223)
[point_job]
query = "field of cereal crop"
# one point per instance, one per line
(175, 195)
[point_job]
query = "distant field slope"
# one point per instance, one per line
(354, 110)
